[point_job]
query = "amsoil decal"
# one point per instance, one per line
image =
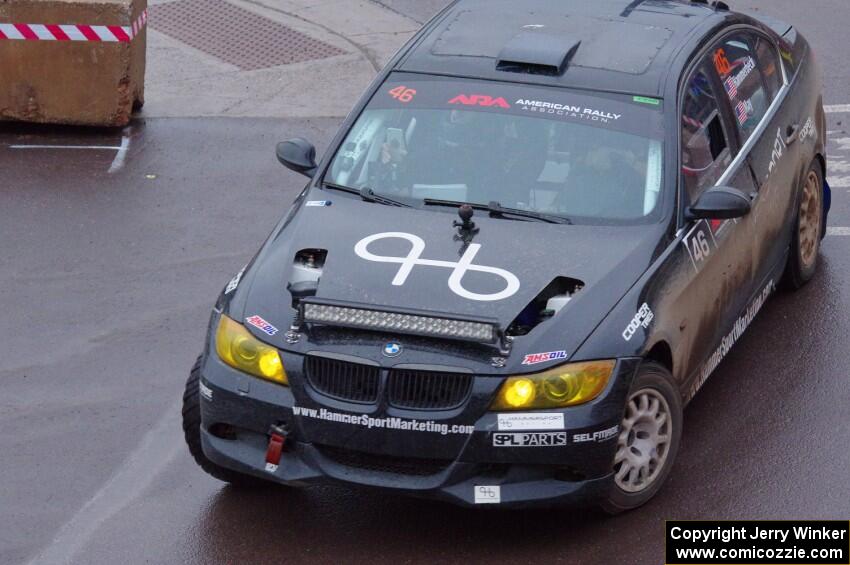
(262, 325)
(535, 358)
(480, 100)
(567, 111)
(539, 439)
(388, 423)
(741, 325)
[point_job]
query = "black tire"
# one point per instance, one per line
(803, 255)
(653, 382)
(192, 434)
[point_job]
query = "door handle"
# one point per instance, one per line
(791, 133)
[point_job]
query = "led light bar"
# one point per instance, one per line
(400, 322)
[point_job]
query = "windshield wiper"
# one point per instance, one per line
(366, 194)
(497, 211)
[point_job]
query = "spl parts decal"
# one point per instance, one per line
(530, 439)
(530, 421)
(262, 325)
(741, 325)
(318, 203)
(535, 358)
(234, 282)
(598, 436)
(488, 494)
(388, 423)
(459, 268)
(642, 319)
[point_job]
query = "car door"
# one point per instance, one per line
(754, 86)
(717, 250)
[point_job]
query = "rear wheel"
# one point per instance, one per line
(805, 244)
(648, 441)
(192, 434)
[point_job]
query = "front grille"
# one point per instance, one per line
(385, 463)
(346, 381)
(426, 390)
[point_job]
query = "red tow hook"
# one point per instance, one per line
(277, 439)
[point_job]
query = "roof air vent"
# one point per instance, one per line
(537, 53)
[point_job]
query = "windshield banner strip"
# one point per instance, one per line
(620, 113)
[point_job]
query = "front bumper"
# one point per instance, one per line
(448, 455)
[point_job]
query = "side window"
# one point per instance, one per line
(705, 146)
(735, 62)
(768, 62)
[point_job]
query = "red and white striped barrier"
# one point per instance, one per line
(74, 32)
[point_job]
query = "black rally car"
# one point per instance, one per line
(530, 244)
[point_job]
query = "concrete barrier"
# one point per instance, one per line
(72, 61)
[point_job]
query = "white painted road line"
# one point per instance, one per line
(837, 231)
(151, 456)
(118, 161)
(837, 109)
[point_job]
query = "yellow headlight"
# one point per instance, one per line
(239, 349)
(567, 385)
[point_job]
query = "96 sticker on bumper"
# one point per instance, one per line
(540, 439)
(531, 421)
(488, 495)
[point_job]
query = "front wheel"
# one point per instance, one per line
(805, 244)
(192, 434)
(649, 439)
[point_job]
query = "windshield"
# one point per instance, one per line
(544, 150)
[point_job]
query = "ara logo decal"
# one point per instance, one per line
(480, 100)
(459, 269)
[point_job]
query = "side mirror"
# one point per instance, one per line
(298, 155)
(720, 203)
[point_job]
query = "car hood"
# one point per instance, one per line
(414, 259)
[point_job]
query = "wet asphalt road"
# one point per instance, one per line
(106, 281)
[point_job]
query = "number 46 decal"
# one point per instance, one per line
(403, 94)
(700, 244)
